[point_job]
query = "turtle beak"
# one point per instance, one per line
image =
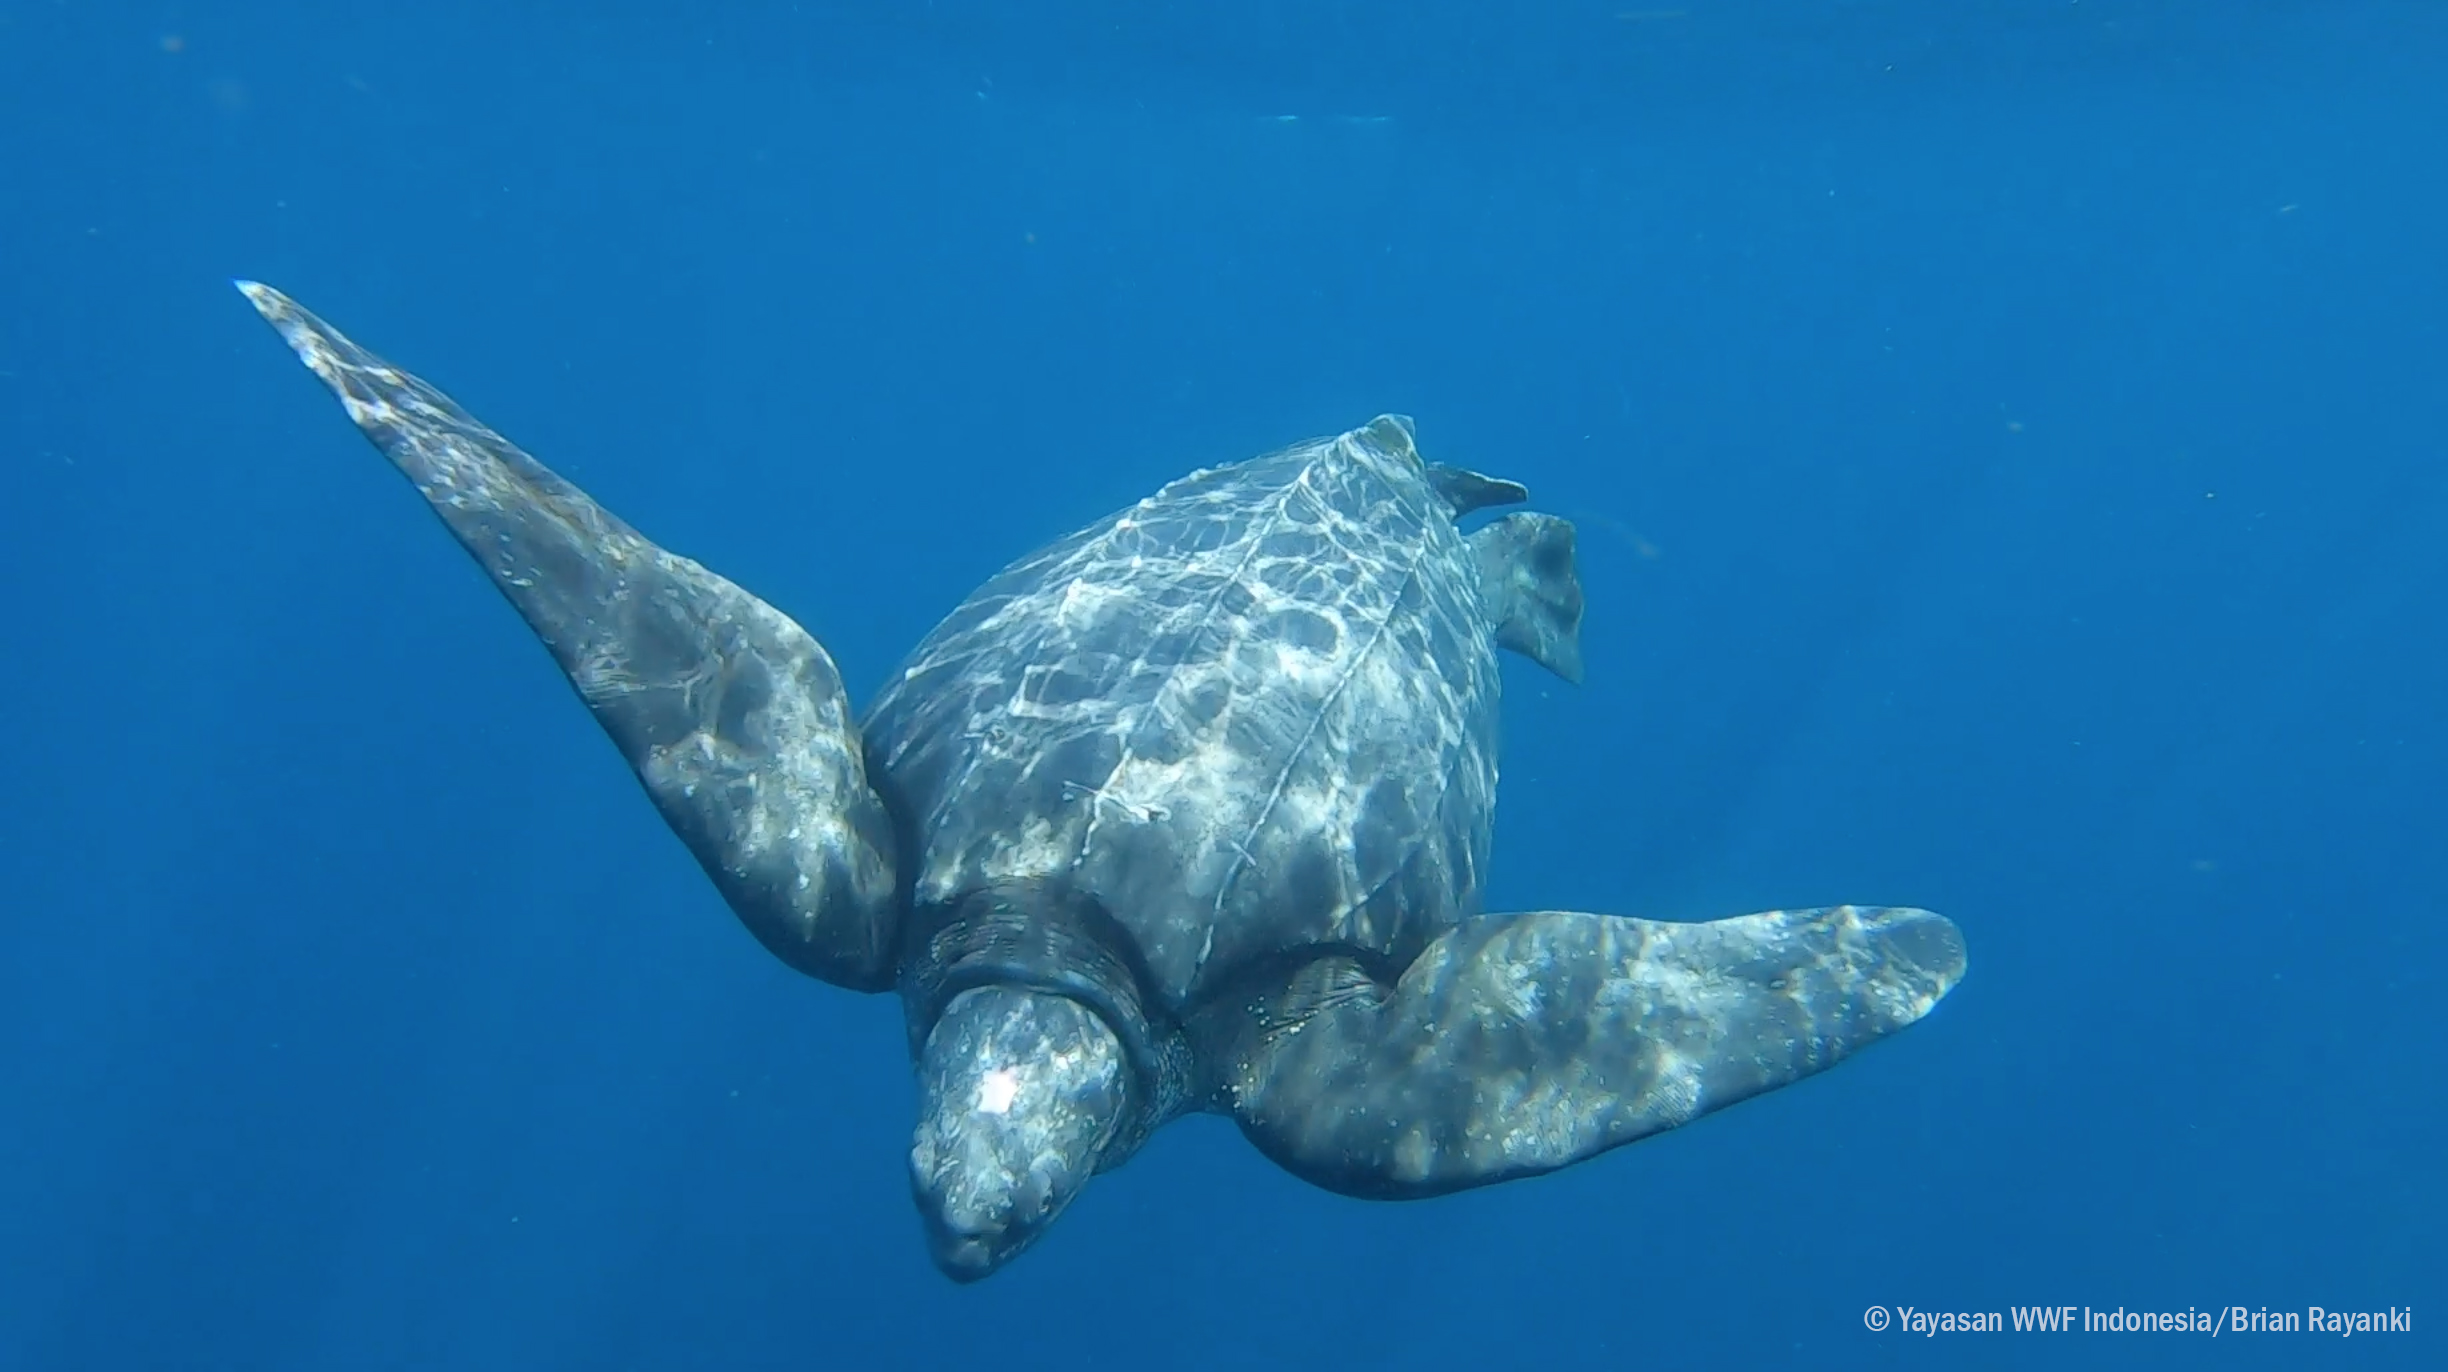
(991, 1203)
(963, 1257)
(1019, 1092)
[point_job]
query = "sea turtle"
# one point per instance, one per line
(1187, 811)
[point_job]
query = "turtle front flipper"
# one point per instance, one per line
(732, 715)
(1519, 1044)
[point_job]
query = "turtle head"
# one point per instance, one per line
(1018, 1094)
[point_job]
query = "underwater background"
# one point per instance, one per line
(2011, 455)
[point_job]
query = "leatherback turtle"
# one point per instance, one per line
(1187, 811)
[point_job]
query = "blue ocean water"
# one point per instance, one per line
(2008, 445)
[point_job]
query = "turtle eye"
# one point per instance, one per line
(1036, 1197)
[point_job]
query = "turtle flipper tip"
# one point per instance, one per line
(295, 322)
(261, 296)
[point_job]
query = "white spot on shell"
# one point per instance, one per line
(996, 1091)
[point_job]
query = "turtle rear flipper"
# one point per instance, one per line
(1519, 1044)
(732, 715)
(1530, 582)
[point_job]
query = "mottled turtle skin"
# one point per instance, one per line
(1189, 810)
